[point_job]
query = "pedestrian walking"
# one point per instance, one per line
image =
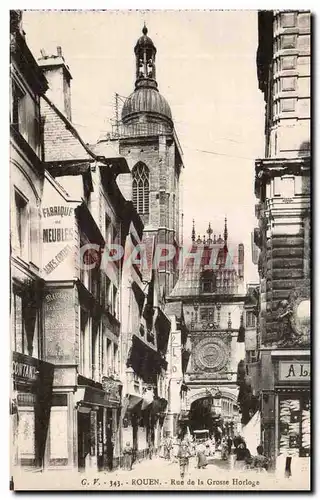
(224, 449)
(212, 446)
(167, 448)
(184, 456)
(208, 447)
(127, 456)
(201, 455)
(175, 448)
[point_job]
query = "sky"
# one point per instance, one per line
(206, 69)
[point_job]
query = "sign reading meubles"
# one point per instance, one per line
(58, 232)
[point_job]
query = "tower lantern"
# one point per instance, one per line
(145, 52)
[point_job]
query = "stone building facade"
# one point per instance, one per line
(89, 328)
(282, 187)
(32, 375)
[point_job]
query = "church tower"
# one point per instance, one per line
(148, 141)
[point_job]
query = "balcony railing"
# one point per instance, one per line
(139, 130)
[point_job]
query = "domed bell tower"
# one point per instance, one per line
(150, 145)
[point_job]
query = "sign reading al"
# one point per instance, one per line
(292, 371)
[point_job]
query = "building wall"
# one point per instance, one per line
(283, 190)
(288, 103)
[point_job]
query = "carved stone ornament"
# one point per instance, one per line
(300, 319)
(211, 355)
(294, 318)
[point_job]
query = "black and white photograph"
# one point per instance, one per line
(160, 250)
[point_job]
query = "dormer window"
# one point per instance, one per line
(208, 282)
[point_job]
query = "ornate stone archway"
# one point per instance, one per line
(199, 393)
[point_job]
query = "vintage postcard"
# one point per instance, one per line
(160, 250)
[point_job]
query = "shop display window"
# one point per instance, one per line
(294, 426)
(26, 430)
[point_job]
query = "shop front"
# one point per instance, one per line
(98, 424)
(30, 409)
(292, 410)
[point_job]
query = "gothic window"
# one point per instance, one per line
(140, 188)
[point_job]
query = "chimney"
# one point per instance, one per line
(241, 260)
(58, 75)
(16, 22)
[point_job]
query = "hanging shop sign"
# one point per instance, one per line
(112, 389)
(58, 234)
(290, 371)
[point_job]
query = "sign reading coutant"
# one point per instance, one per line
(22, 370)
(294, 371)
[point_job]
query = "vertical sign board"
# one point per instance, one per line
(58, 235)
(176, 362)
(59, 324)
(176, 371)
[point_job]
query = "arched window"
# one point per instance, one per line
(140, 188)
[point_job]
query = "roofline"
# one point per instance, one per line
(75, 133)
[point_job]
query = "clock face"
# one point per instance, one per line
(211, 354)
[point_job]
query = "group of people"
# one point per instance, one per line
(183, 447)
(244, 459)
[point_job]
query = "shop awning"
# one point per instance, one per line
(88, 225)
(163, 327)
(91, 396)
(139, 294)
(133, 401)
(159, 405)
(145, 360)
(147, 399)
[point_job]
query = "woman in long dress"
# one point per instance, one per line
(127, 457)
(201, 455)
(243, 457)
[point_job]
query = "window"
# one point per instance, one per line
(288, 62)
(140, 188)
(304, 108)
(287, 187)
(115, 358)
(208, 283)
(58, 431)
(19, 329)
(109, 356)
(25, 115)
(288, 105)
(95, 351)
(294, 425)
(26, 445)
(251, 356)
(304, 20)
(207, 286)
(288, 83)
(304, 66)
(304, 42)
(207, 313)
(288, 19)
(84, 319)
(250, 319)
(288, 41)
(22, 225)
(115, 302)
